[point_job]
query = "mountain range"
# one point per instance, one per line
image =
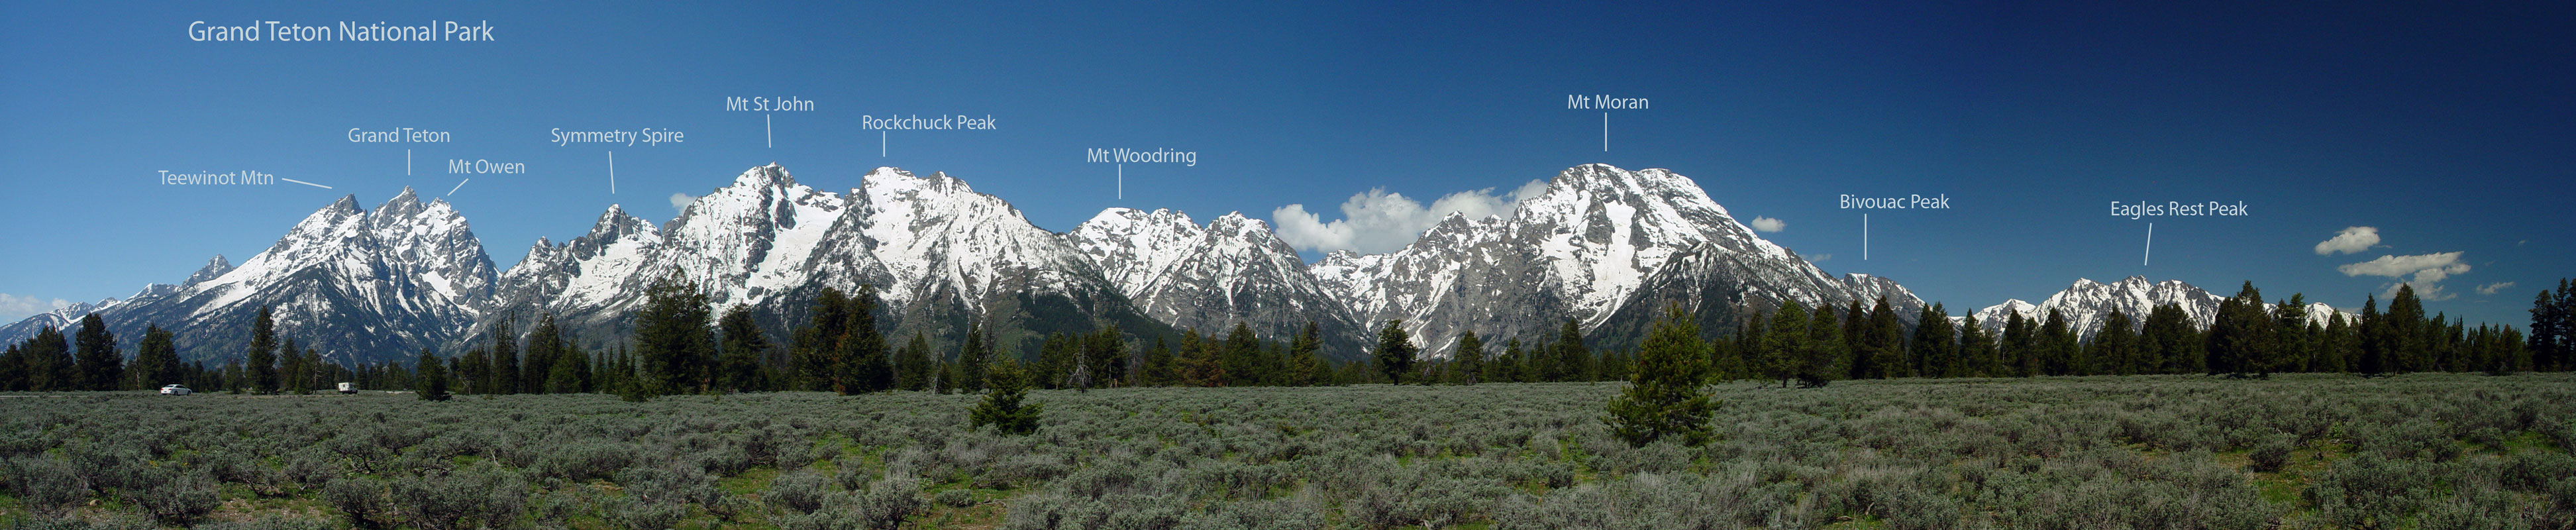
(1604, 247)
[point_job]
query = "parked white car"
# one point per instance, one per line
(174, 390)
(348, 388)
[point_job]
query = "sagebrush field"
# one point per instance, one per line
(2301, 451)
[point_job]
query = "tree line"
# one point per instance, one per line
(681, 346)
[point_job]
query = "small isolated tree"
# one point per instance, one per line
(1004, 407)
(1395, 351)
(433, 377)
(1664, 397)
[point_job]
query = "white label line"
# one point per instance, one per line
(451, 192)
(881, 135)
(1605, 132)
(1122, 182)
(1864, 237)
(767, 131)
(2151, 245)
(304, 183)
(612, 172)
(406, 162)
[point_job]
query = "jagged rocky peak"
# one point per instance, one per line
(215, 268)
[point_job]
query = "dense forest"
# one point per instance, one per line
(681, 346)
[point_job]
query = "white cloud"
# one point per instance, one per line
(1766, 224)
(2423, 271)
(680, 202)
(2351, 240)
(1380, 221)
(1819, 258)
(14, 307)
(2494, 288)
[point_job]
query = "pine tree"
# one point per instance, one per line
(1826, 353)
(102, 366)
(1976, 350)
(431, 377)
(1934, 352)
(818, 344)
(2244, 337)
(743, 345)
(263, 353)
(912, 364)
(156, 360)
(1241, 354)
(50, 367)
(546, 352)
(1395, 351)
(866, 357)
(1307, 352)
(1664, 395)
(973, 357)
(2019, 346)
(2406, 331)
(2057, 345)
(505, 376)
(1885, 337)
(2545, 341)
(1573, 361)
(1470, 358)
(1200, 364)
(2115, 346)
(1004, 407)
(673, 339)
(2294, 344)
(1104, 355)
(2169, 341)
(1855, 333)
(2336, 346)
(1159, 365)
(1785, 344)
(2375, 347)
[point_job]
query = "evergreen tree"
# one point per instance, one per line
(1507, 368)
(50, 367)
(2374, 335)
(1159, 365)
(2406, 331)
(866, 356)
(2294, 344)
(743, 346)
(1004, 407)
(2115, 346)
(1470, 358)
(263, 353)
(2545, 340)
(2056, 345)
(1785, 346)
(1241, 353)
(2336, 346)
(817, 350)
(156, 360)
(1826, 350)
(2020, 346)
(505, 376)
(1976, 350)
(973, 357)
(1664, 395)
(673, 339)
(1200, 363)
(1573, 361)
(1935, 348)
(1855, 331)
(102, 366)
(431, 379)
(1395, 351)
(2169, 342)
(1307, 352)
(1885, 338)
(912, 364)
(2243, 338)
(1104, 355)
(546, 352)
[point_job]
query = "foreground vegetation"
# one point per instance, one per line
(2298, 451)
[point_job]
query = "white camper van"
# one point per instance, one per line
(348, 388)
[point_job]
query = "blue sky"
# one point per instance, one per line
(2445, 129)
